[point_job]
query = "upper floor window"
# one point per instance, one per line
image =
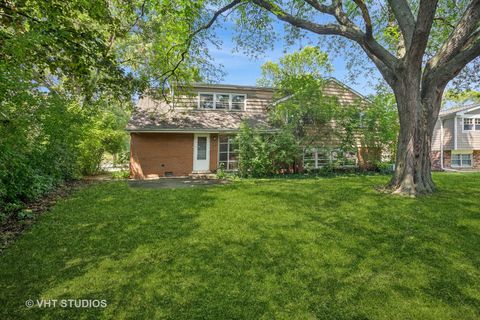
(222, 101)
(470, 124)
(206, 101)
(238, 101)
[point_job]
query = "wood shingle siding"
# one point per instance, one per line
(256, 100)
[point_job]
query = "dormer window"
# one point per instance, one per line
(222, 101)
(238, 102)
(206, 101)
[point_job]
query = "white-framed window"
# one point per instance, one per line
(227, 153)
(314, 158)
(238, 102)
(471, 124)
(461, 160)
(205, 101)
(222, 101)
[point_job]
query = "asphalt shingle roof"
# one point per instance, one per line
(457, 109)
(152, 115)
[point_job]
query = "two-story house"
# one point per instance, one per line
(193, 133)
(456, 139)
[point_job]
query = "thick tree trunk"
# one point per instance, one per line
(418, 114)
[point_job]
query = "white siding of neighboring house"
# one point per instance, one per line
(448, 130)
(436, 138)
(468, 140)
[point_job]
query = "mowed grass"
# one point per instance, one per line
(329, 248)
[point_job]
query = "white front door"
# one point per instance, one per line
(201, 152)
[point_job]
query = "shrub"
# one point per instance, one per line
(265, 153)
(122, 174)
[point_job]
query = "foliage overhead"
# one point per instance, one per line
(69, 73)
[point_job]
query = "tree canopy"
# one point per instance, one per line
(419, 47)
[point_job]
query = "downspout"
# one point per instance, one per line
(441, 144)
(455, 133)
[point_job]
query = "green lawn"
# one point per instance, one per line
(330, 248)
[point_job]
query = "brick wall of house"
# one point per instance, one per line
(447, 159)
(435, 160)
(476, 159)
(213, 152)
(152, 155)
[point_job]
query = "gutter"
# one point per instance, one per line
(191, 130)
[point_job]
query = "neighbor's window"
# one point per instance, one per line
(228, 156)
(467, 124)
(221, 101)
(470, 124)
(462, 160)
(206, 100)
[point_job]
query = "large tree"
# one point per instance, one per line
(418, 46)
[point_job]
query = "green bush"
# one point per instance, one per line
(265, 153)
(48, 138)
(122, 174)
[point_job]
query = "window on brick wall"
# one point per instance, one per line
(462, 160)
(227, 153)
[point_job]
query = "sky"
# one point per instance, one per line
(243, 70)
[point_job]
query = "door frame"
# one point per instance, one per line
(195, 142)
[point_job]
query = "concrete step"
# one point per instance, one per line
(203, 175)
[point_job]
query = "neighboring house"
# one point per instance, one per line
(456, 139)
(194, 133)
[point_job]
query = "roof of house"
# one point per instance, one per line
(231, 86)
(452, 111)
(152, 115)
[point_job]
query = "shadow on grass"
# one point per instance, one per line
(318, 248)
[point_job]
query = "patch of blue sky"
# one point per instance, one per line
(241, 69)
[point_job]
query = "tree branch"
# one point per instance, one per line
(165, 76)
(465, 30)
(321, 7)
(443, 73)
(330, 29)
(347, 31)
(366, 17)
(421, 32)
(406, 21)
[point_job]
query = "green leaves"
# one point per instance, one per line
(294, 68)
(265, 153)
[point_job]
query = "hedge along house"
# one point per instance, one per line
(456, 139)
(193, 135)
